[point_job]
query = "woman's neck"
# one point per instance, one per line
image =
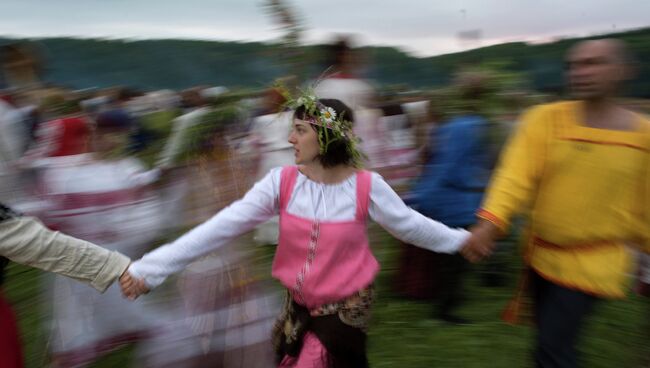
(331, 175)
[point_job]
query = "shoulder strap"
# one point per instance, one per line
(363, 194)
(287, 182)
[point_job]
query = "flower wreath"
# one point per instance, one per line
(331, 127)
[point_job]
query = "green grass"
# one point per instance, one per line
(402, 335)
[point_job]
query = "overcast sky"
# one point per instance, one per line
(422, 27)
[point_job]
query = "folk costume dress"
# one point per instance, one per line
(323, 257)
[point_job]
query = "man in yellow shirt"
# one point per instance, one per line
(579, 170)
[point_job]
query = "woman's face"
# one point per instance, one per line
(305, 142)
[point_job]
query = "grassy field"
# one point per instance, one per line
(402, 334)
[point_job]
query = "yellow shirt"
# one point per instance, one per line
(585, 190)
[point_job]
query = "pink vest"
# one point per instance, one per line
(323, 262)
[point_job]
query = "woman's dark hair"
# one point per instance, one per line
(338, 152)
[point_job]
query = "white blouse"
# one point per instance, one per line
(324, 202)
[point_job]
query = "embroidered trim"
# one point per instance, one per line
(570, 247)
(606, 143)
(311, 254)
(489, 216)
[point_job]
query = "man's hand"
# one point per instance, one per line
(481, 242)
(132, 287)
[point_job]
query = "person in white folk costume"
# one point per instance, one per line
(105, 198)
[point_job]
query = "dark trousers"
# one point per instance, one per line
(452, 269)
(559, 315)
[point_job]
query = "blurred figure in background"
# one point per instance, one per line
(341, 79)
(343, 82)
(104, 197)
(450, 188)
(14, 137)
(14, 128)
(399, 156)
(269, 133)
(227, 310)
(580, 170)
(195, 106)
(65, 132)
(124, 101)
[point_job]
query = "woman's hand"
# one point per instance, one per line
(132, 287)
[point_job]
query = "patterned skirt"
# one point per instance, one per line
(332, 335)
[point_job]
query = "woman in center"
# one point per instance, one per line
(323, 257)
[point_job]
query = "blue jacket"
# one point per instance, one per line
(451, 186)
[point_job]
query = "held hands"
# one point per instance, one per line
(481, 242)
(132, 287)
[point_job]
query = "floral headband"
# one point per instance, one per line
(321, 115)
(333, 127)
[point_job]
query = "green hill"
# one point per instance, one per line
(152, 64)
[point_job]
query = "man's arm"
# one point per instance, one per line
(512, 186)
(514, 182)
(481, 243)
(25, 240)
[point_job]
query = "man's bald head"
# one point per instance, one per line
(617, 49)
(598, 67)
